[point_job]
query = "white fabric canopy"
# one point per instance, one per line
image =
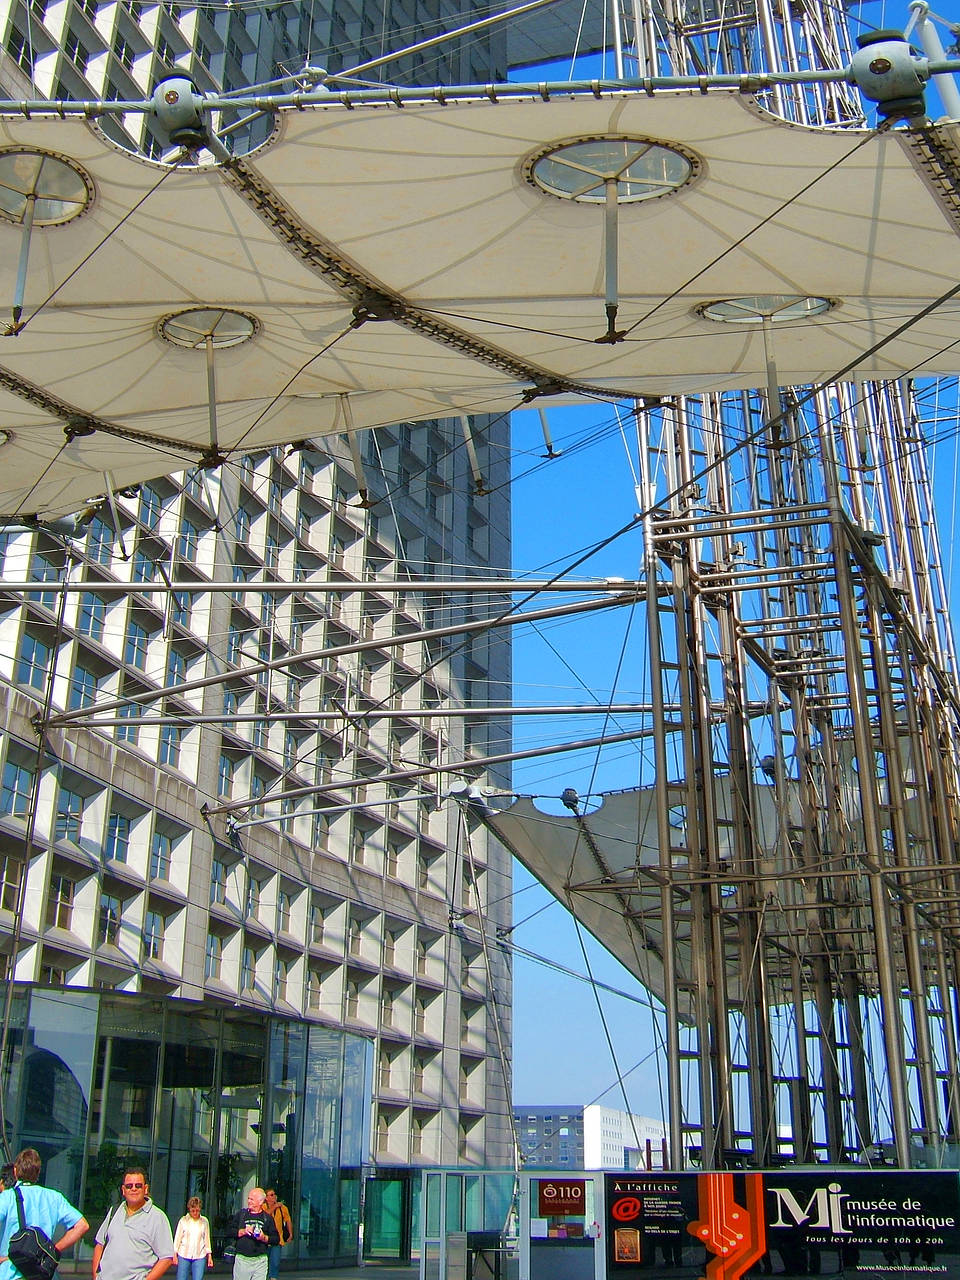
(429, 205)
(607, 870)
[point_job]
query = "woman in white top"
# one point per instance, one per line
(192, 1251)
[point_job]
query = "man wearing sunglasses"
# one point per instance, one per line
(134, 1241)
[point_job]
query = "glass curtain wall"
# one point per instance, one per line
(211, 1101)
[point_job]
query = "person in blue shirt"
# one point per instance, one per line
(42, 1207)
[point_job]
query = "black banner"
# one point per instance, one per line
(855, 1223)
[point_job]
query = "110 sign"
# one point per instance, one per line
(556, 1197)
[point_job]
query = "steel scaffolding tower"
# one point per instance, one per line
(805, 795)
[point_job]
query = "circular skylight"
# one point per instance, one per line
(581, 169)
(192, 328)
(59, 189)
(755, 308)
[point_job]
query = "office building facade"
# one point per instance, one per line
(295, 992)
(588, 1137)
(314, 933)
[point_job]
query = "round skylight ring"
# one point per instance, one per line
(777, 308)
(579, 169)
(60, 188)
(192, 327)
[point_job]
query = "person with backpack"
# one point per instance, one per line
(280, 1214)
(28, 1204)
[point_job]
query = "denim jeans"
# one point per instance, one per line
(191, 1268)
(273, 1266)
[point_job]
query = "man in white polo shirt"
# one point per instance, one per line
(134, 1241)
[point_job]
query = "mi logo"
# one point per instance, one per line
(823, 1209)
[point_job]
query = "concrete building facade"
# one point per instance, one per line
(146, 874)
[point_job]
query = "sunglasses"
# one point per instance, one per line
(134, 1186)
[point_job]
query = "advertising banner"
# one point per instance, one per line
(838, 1221)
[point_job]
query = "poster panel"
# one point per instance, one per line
(835, 1221)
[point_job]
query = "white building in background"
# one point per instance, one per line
(590, 1137)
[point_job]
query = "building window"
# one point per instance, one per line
(314, 990)
(153, 929)
(124, 51)
(78, 53)
(271, 553)
(317, 922)
(34, 659)
(225, 776)
(43, 570)
(128, 733)
(60, 903)
(218, 881)
(188, 543)
(150, 507)
(280, 978)
(91, 616)
(83, 687)
(254, 888)
(202, 52)
(214, 956)
(353, 998)
(100, 541)
(230, 705)
(176, 667)
(143, 566)
(17, 787)
(180, 609)
(170, 745)
(284, 904)
(248, 970)
(135, 645)
(242, 524)
(20, 50)
(234, 641)
(118, 837)
(109, 922)
(69, 819)
(161, 848)
(11, 873)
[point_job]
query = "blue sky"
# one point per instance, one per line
(561, 507)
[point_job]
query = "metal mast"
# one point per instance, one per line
(809, 852)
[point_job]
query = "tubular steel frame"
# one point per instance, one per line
(803, 572)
